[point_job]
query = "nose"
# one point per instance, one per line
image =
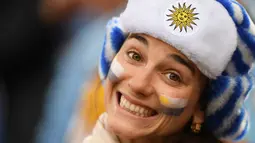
(141, 84)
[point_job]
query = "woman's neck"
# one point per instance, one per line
(141, 140)
(168, 139)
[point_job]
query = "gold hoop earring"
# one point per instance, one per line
(196, 128)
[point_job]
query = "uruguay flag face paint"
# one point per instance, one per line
(173, 106)
(115, 71)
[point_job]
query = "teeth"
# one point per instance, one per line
(135, 109)
(146, 112)
(121, 104)
(142, 110)
(132, 107)
(127, 105)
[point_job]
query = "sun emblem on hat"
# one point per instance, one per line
(182, 17)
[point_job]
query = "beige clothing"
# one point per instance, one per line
(100, 134)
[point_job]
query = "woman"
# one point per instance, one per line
(176, 71)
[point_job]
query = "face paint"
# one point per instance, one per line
(172, 106)
(115, 71)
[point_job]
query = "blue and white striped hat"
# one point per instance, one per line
(217, 35)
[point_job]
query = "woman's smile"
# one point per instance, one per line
(133, 107)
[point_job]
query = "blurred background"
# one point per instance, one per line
(48, 56)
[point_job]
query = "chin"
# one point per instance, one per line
(125, 129)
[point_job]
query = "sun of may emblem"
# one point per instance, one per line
(182, 17)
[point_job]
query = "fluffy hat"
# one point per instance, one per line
(217, 35)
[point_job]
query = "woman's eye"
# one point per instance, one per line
(135, 56)
(173, 76)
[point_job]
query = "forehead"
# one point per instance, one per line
(151, 42)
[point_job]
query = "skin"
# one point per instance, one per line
(147, 75)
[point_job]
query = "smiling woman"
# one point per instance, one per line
(166, 81)
(151, 95)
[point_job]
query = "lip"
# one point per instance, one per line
(136, 102)
(122, 111)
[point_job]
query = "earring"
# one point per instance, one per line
(198, 119)
(196, 128)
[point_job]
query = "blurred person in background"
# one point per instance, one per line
(33, 33)
(72, 70)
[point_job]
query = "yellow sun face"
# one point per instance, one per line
(182, 17)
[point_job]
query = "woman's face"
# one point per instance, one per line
(151, 89)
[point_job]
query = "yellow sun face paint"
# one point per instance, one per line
(164, 101)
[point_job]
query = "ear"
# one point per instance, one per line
(198, 116)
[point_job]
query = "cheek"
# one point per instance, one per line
(170, 125)
(108, 89)
(114, 77)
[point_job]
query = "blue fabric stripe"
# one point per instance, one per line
(228, 7)
(248, 38)
(215, 120)
(117, 38)
(235, 125)
(217, 87)
(105, 65)
(246, 22)
(250, 79)
(243, 132)
(224, 73)
(237, 58)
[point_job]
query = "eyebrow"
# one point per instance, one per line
(182, 61)
(177, 58)
(139, 38)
